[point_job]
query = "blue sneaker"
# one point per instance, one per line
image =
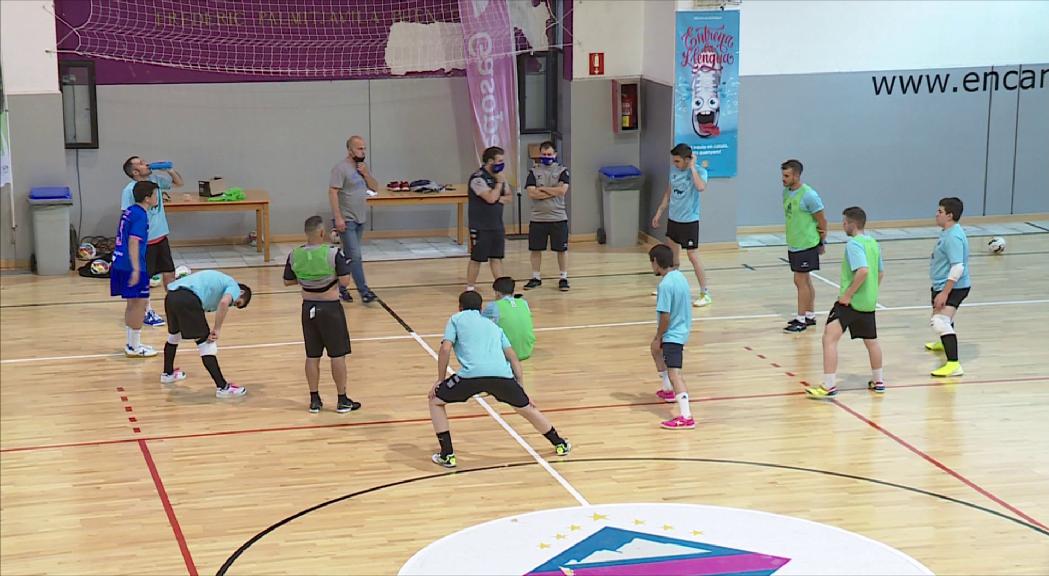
(153, 319)
(345, 296)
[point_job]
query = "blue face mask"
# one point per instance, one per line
(497, 168)
(547, 161)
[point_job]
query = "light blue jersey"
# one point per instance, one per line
(478, 343)
(158, 220)
(684, 196)
(210, 286)
(952, 248)
(674, 297)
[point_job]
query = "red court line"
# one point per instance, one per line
(168, 509)
(941, 465)
(473, 416)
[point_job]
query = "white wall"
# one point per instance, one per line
(610, 26)
(657, 61)
(27, 44)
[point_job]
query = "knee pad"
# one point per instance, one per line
(208, 348)
(941, 324)
(174, 339)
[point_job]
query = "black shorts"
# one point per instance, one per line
(954, 299)
(539, 232)
(158, 258)
(186, 315)
(487, 244)
(324, 328)
(673, 354)
(505, 390)
(859, 324)
(685, 234)
(805, 260)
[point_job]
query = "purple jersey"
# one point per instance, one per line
(133, 222)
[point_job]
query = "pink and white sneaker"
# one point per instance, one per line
(679, 423)
(230, 391)
(666, 395)
(176, 376)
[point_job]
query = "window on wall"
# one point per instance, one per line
(537, 91)
(79, 110)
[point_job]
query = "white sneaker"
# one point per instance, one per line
(703, 300)
(230, 391)
(176, 376)
(142, 352)
(655, 292)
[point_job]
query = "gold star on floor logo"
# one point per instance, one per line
(543, 545)
(597, 517)
(697, 532)
(668, 527)
(575, 527)
(638, 522)
(560, 536)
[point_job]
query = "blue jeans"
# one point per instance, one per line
(351, 246)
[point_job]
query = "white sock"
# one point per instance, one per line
(800, 318)
(828, 381)
(134, 338)
(564, 275)
(470, 288)
(876, 375)
(682, 404)
(667, 386)
(537, 276)
(810, 315)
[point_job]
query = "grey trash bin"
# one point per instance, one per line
(51, 248)
(620, 204)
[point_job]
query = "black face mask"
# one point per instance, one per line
(358, 158)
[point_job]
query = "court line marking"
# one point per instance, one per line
(695, 400)
(183, 546)
(513, 433)
(932, 460)
(545, 329)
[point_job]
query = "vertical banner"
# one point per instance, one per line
(706, 87)
(491, 72)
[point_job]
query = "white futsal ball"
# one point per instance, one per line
(182, 271)
(996, 245)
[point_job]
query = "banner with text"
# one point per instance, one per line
(491, 72)
(706, 88)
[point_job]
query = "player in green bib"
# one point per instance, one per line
(806, 231)
(862, 271)
(512, 314)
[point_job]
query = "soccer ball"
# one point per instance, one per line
(99, 267)
(86, 251)
(155, 281)
(996, 245)
(182, 271)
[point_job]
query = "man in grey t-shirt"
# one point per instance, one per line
(547, 185)
(348, 193)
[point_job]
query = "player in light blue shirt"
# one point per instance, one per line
(187, 300)
(686, 184)
(487, 363)
(158, 250)
(674, 321)
(949, 274)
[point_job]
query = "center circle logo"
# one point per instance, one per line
(649, 539)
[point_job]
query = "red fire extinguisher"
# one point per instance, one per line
(628, 111)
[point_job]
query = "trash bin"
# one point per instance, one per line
(620, 204)
(51, 247)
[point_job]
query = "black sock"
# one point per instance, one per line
(445, 438)
(316, 395)
(344, 397)
(950, 346)
(169, 357)
(553, 437)
(212, 364)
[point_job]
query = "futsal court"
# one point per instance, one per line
(106, 471)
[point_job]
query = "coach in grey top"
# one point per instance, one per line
(348, 194)
(547, 186)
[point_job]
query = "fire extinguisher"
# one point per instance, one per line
(627, 111)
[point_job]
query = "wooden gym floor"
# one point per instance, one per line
(104, 471)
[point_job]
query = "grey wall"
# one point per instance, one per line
(36, 160)
(283, 137)
(593, 145)
(657, 135)
(1031, 184)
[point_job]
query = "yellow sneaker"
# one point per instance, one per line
(703, 300)
(936, 346)
(819, 392)
(949, 369)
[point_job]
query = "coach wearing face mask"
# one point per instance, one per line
(348, 195)
(488, 192)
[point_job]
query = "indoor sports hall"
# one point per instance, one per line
(543, 287)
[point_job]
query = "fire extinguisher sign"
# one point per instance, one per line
(706, 87)
(597, 63)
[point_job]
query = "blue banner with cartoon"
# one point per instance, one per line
(706, 88)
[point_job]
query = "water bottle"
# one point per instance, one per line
(166, 165)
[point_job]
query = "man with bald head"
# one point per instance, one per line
(348, 194)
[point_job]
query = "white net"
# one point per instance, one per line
(287, 38)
